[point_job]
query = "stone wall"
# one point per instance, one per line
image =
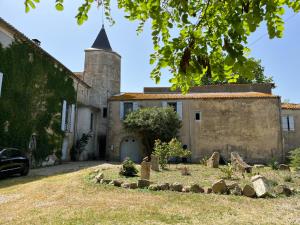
(250, 127)
(291, 139)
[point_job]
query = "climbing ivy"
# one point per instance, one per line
(34, 87)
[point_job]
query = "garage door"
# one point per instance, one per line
(130, 147)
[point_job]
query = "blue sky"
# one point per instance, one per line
(65, 40)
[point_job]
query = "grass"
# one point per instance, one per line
(71, 198)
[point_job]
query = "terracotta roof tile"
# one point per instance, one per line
(291, 106)
(228, 95)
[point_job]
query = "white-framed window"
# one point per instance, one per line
(67, 117)
(177, 106)
(126, 108)
(288, 123)
(1, 81)
(197, 116)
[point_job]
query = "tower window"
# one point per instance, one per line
(104, 112)
(197, 116)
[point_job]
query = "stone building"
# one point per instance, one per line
(236, 119)
(246, 118)
(290, 126)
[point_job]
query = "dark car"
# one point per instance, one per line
(13, 161)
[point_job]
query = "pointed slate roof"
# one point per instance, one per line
(102, 41)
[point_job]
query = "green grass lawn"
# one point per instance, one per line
(72, 198)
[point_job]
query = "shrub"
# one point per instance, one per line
(273, 163)
(165, 151)
(152, 124)
(80, 146)
(295, 158)
(227, 170)
(128, 168)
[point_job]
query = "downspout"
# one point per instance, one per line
(76, 118)
(189, 118)
(281, 132)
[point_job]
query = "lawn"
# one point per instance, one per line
(71, 198)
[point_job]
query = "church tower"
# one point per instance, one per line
(102, 72)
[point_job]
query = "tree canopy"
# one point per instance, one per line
(198, 38)
(152, 124)
(254, 67)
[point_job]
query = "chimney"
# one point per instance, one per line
(37, 42)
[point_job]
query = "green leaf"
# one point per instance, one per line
(59, 7)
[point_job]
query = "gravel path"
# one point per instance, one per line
(64, 168)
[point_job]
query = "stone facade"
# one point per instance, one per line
(249, 126)
(291, 135)
(242, 118)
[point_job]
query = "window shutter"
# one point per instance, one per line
(179, 110)
(1, 81)
(72, 118)
(284, 123)
(121, 110)
(135, 106)
(291, 123)
(164, 104)
(63, 115)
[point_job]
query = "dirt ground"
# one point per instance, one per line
(64, 194)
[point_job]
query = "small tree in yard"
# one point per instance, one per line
(152, 124)
(165, 151)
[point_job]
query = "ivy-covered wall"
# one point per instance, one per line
(31, 102)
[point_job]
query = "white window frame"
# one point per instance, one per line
(1, 81)
(288, 123)
(135, 106)
(179, 107)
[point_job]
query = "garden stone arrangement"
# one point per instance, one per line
(260, 187)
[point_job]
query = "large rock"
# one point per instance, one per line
(283, 190)
(260, 185)
(117, 183)
(219, 187)
(284, 167)
(154, 163)
(163, 186)
(143, 183)
(238, 163)
(214, 160)
(145, 170)
(186, 189)
(234, 189)
(176, 187)
(132, 185)
(208, 190)
(196, 188)
(249, 191)
(153, 187)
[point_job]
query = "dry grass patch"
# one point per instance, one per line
(72, 199)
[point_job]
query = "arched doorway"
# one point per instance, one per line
(130, 147)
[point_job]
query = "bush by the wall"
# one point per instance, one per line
(128, 168)
(295, 158)
(31, 102)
